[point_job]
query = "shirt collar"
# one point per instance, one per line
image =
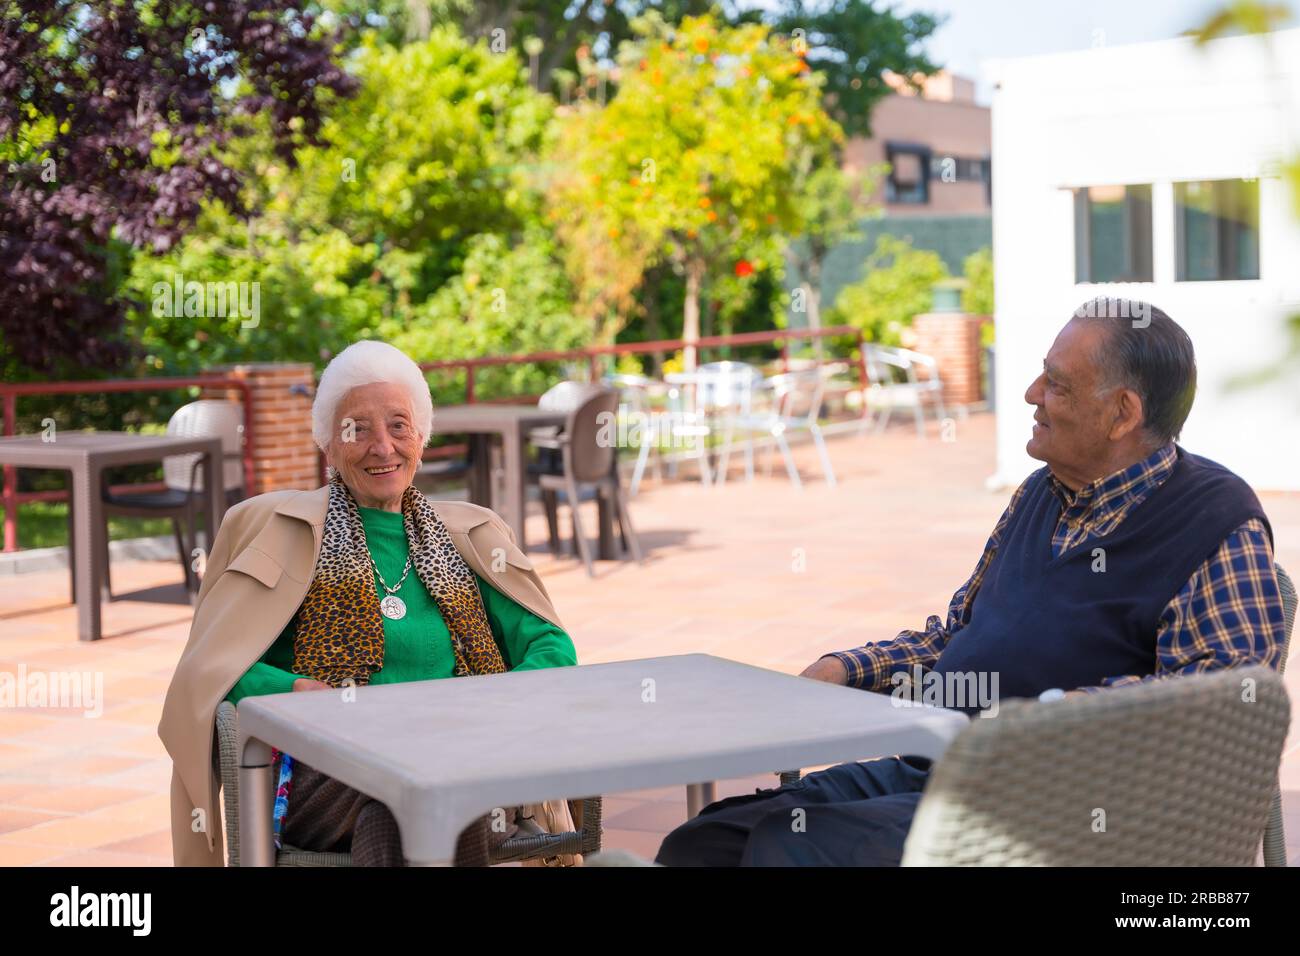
(1121, 489)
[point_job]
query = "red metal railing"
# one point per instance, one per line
(593, 355)
(12, 497)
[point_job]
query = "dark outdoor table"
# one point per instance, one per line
(512, 423)
(86, 455)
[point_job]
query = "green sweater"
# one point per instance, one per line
(418, 647)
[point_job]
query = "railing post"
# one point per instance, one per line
(864, 379)
(785, 355)
(469, 384)
(11, 478)
(593, 360)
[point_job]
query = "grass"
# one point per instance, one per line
(44, 524)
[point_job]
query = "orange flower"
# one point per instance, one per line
(705, 202)
(744, 268)
(713, 216)
(701, 44)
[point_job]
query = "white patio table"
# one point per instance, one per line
(442, 753)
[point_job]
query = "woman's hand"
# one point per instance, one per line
(306, 683)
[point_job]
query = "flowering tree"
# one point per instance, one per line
(694, 157)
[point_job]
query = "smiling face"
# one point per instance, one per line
(1081, 427)
(375, 446)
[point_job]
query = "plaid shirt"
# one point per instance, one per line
(1229, 613)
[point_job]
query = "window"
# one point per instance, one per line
(955, 169)
(1112, 234)
(909, 173)
(1218, 230)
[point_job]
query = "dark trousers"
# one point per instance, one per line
(324, 814)
(856, 814)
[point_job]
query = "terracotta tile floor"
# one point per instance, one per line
(759, 573)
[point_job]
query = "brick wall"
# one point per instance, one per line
(953, 338)
(284, 455)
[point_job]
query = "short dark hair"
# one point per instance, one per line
(1147, 351)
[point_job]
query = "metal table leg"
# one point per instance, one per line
(699, 796)
(256, 803)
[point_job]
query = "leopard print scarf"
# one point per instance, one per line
(339, 631)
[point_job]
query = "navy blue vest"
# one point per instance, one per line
(1040, 621)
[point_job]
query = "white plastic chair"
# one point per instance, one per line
(885, 389)
(796, 400)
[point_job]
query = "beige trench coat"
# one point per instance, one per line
(257, 575)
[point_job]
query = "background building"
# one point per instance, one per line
(1152, 171)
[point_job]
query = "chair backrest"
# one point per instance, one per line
(635, 391)
(207, 418)
(798, 394)
(1287, 588)
(566, 396)
(592, 428)
(726, 384)
(1177, 772)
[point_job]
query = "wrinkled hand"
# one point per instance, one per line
(828, 669)
(306, 683)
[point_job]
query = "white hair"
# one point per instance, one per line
(364, 363)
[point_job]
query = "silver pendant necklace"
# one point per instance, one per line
(392, 606)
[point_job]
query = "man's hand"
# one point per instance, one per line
(306, 683)
(828, 669)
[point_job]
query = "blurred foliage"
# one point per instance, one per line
(977, 269)
(897, 285)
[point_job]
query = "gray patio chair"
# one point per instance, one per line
(796, 405)
(1172, 773)
(588, 462)
(913, 391)
(472, 848)
(183, 476)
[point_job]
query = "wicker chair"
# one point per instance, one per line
(1181, 772)
(471, 850)
(1274, 834)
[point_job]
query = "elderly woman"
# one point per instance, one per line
(364, 580)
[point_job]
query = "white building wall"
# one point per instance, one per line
(1151, 113)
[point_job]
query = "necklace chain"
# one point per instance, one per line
(397, 586)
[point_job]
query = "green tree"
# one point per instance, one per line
(977, 269)
(831, 208)
(438, 147)
(897, 285)
(693, 156)
(506, 299)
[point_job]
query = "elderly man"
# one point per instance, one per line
(1125, 560)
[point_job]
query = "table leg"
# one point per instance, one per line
(605, 506)
(699, 796)
(480, 474)
(515, 502)
(256, 802)
(72, 543)
(214, 482)
(88, 531)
